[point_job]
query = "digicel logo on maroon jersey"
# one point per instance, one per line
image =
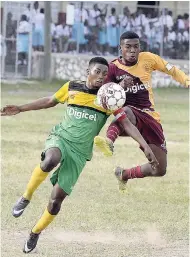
(137, 84)
(134, 89)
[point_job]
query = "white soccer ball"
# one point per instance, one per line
(111, 96)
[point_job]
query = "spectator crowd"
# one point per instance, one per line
(95, 31)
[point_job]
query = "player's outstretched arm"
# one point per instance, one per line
(177, 74)
(132, 131)
(42, 103)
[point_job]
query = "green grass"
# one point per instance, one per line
(150, 221)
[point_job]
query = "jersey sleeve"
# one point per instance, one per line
(62, 94)
(164, 66)
(111, 74)
(119, 114)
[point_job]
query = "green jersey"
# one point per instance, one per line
(83, 119)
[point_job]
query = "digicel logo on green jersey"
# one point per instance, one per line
(81, 114)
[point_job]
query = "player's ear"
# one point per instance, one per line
(87, 71)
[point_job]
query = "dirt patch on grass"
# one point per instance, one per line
(151, 243)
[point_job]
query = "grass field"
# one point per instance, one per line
(151, 220)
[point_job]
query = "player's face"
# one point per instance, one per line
(97, 74)
(130, 49)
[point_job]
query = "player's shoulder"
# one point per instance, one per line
(147, 55)
(113, 62)
(113, 65)
(148, 58)
(76, 84)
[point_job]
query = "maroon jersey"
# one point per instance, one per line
(140, 94)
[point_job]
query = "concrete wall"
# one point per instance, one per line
(71, 67)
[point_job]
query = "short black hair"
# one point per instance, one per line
(128, 35)
(99, 60)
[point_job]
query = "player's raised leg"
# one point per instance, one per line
(152, 132)
(105, 145)
(145, 170)
(49, 160)
(53, 208)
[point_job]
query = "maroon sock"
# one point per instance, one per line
(132, 173)
(113, 132)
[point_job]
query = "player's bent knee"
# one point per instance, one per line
(159, 172)
(48, 164)
(130, 115)
(49, 161)
(54, 206)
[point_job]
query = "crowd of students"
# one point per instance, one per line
(95, 31)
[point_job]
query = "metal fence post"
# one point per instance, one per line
(47, 46)
(30, 49)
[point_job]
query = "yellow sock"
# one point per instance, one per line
(43, 222)
(38, 176)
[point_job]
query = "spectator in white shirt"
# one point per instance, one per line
(35, 9)
(63, 33)
(125, 21)
(186, 36)
(166, 19)
(171, 35)
(93, 15)
(152, 40)
(179, 37)
(39, 20)
(38, 31)
(140, 21)
(180, 22)
(81, 15)
(112, 32)
(112, 19)
(24, 29)
(186, 20)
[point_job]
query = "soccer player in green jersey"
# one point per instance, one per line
(70, 143)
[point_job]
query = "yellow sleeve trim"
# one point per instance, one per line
(62, 94)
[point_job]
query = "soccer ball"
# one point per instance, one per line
(111, 96)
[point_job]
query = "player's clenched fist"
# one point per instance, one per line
(127, 82)
(9, 110)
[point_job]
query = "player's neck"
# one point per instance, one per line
(125, 62)
(88, 85)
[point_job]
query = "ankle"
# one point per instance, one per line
(109, 140)
(132, 173)
(27, 196)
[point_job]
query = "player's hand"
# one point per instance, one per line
(127, 82)
(151, 157)
(10, 110)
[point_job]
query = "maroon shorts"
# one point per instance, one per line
(150, 129)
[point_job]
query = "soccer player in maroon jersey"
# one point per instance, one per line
(133, 71)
